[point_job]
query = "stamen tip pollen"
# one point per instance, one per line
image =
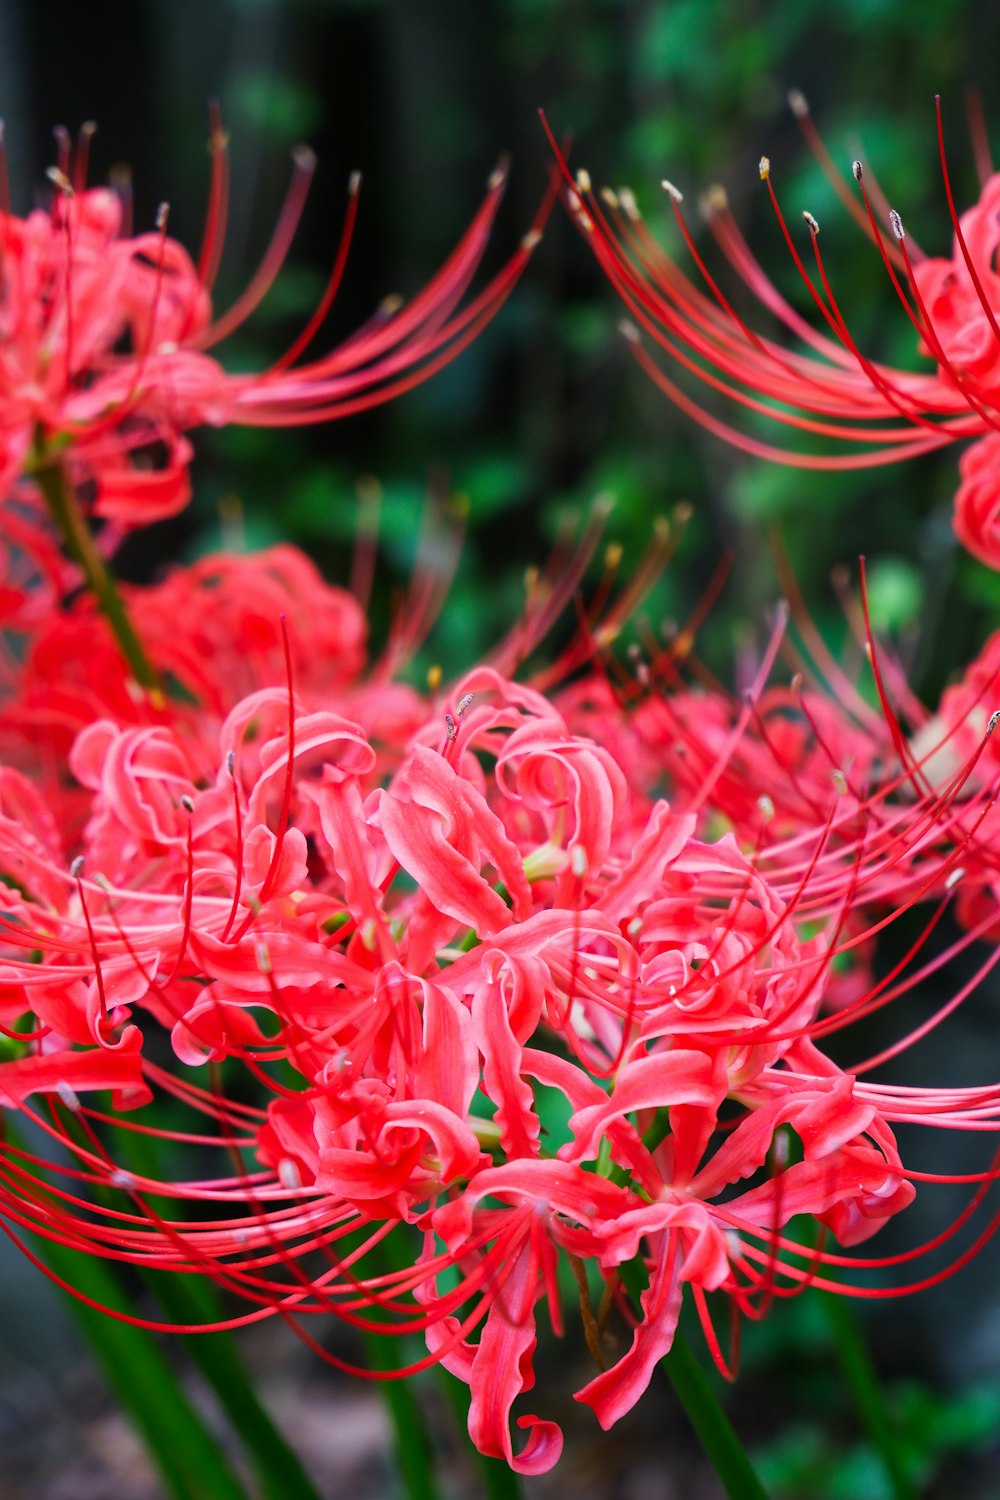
(764, 168)
(68, 1096)
(628, 331)
(76, 867)
(674, 192)
(627, 199)
(798, 103)
(811, 221)
(60, 180)
(304, 158)
(714, 201)
(858, 170)
(896, 225)
(498, 176)
(354, 184)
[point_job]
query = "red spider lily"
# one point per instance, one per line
(827, 388)
(409, 969)
(106, 337)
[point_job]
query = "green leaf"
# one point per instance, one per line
(185, 1452)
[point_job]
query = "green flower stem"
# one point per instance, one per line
(185, 1452)
(279, 1469)
(72, 524)
(190, 1300)
(409, 1428)
(862, 1379)
(716, 1433)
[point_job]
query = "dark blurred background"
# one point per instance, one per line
(546, 409)
(544, 412)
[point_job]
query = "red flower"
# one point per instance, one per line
(106, 337)
(828, 387)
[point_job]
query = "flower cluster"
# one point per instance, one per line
(531, 975)
(488, 981)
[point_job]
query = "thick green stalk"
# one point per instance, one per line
(278, 1468)
(862, 1378)
(185, 1452)
(72, 524)
(715, 1432)
(409, 1429)
(189, 1301)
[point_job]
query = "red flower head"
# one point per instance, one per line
(108, 337)
(827, 388)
